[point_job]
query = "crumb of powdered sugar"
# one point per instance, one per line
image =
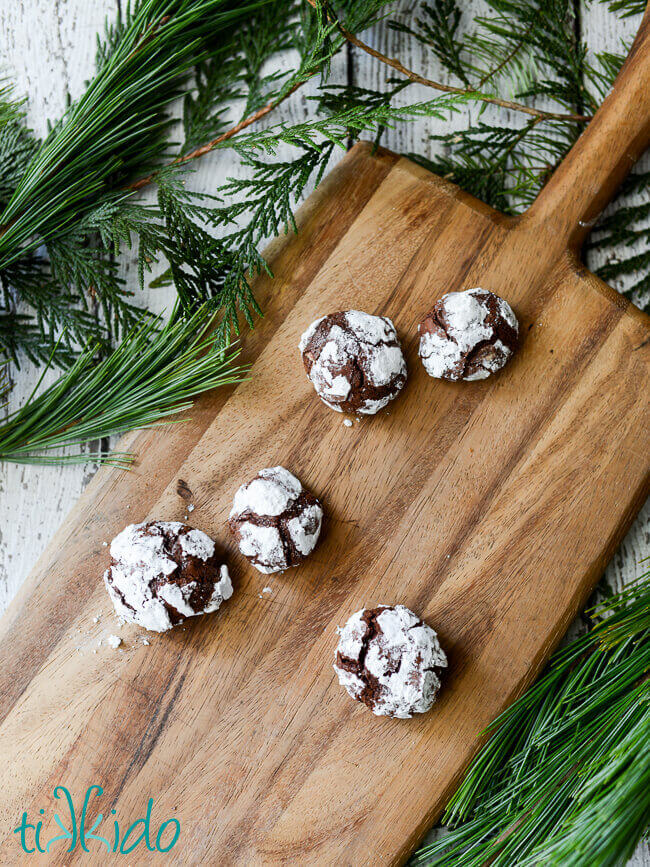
(114, 641)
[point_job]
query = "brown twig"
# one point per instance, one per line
(211, 145)
(389, 61)
(446, 88)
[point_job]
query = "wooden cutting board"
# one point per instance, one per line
(488, 508)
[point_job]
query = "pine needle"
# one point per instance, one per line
(120, 123)
(153, 374)
(565, 777)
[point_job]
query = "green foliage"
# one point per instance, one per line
(262, 203)
(531, 49)
(627, 228)
(119, 126)
(62, 219)
(626, 8)
(67, 209)
(565, 777)
(62, 231)
(503, 166)
(153, 373)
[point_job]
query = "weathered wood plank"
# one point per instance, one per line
(48, 50)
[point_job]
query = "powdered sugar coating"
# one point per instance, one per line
(330, 385)
(370, 329)
(354, 361)
(390, 660)
(196, 544)
(269, 493)
(468, 335)
(263, 545)
(147, 577)
(304, 529)
(275, 520)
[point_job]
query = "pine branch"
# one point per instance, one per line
(627, 227)
(67, 192)
(626, 8)
(209, 146)
(416, 78)
(317, 49)
(503, 166)
(100, 137)
(364, 116)
(154, 373)
(565, 776)
(150, 57)
(263, 203)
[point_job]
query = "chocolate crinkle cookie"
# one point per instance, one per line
(275, 521)
(390, 660)
(354, 361)
(164, 571)
(468, 335)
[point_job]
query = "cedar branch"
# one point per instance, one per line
(389, 61)
(416, 78)
(211, 145)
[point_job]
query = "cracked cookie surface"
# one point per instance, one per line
(275, 521)
(390, 660)
(164, 571)
(354, 361)
(468, 335)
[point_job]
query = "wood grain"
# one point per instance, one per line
(477, 473)
(491, 509)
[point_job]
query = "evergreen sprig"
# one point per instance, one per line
(530, 47)
(120, 125)
(62, 218)
(154, 373)
(68, 291)
(69, 204)
(565, 777)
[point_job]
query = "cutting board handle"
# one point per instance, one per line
(588, 178)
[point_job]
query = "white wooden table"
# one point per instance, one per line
(48, 48)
